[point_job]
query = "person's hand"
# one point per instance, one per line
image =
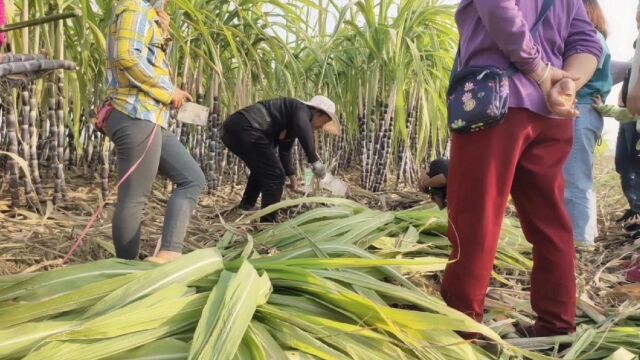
(165, 21)
(422, 182)
(550, 77)
(319, 170)
(597, 100)
(633, 100)
(293, 183)
(561, 99)
(179, 98)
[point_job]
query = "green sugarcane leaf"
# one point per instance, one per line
(228, 313)
(17, 341)
(292, 337)
(299, 355)
(142, 315)
(622, 354)
(262, 338)
(79, 298)
(9, 280)
(187, 268)
(165, 349)
(91, 349)
(55, 283)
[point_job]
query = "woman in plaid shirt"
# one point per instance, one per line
(141, 91)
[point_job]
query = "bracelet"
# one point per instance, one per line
(546, 74)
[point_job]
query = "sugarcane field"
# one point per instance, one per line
(319, 179)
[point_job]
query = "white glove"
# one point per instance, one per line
(318, 169)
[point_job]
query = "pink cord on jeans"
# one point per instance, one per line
(93, 219)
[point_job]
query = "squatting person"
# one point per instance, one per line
(255, 132)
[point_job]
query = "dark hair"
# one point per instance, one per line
(319, 112)
(596, 16)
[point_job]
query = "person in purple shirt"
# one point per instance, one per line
(524, 155)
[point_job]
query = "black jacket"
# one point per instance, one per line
(288, 117)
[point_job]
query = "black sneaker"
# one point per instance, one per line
(630, 220)
(247, 207)
(629, 216)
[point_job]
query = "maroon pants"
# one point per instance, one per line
(523, 156)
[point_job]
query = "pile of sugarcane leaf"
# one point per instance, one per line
(327, 284)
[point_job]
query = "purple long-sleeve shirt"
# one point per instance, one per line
(496, 32)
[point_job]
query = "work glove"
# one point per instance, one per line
(319, 169)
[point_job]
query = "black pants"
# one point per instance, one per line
(628, 164)
(252, 145)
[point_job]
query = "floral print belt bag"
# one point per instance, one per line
(478, 96)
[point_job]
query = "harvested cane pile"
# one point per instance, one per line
(330, 283)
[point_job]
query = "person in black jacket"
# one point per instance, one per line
(254, 133)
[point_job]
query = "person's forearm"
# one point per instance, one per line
(582, 66)
(621, 114)
(437, 181)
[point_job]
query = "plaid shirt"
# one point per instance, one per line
(138, 72)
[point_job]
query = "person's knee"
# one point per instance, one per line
(198, 181)
(194, 182)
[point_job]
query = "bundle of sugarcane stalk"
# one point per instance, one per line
(19, 73)
(327, 284)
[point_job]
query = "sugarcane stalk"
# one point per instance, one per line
(90, 137)
(40, 21)
(296, 162)
(53, 144)
(236, 171)
(376, 142)
(384, 145)
(200, 92)
(9, 58)
(406, 150)
(24, 128)
(61, 131)
(56, 156)
(371, 139)
(362, 131)
(212, 151)
(33, 135)
(34, 66)
(52, 130)
(14, 181)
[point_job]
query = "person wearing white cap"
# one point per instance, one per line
(254, 133)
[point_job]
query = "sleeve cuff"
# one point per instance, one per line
(532, 67)
(166, 96)
(596, 52)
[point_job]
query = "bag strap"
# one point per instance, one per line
(544, 11)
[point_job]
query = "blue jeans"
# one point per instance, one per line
(628, 164)
(579, 196)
